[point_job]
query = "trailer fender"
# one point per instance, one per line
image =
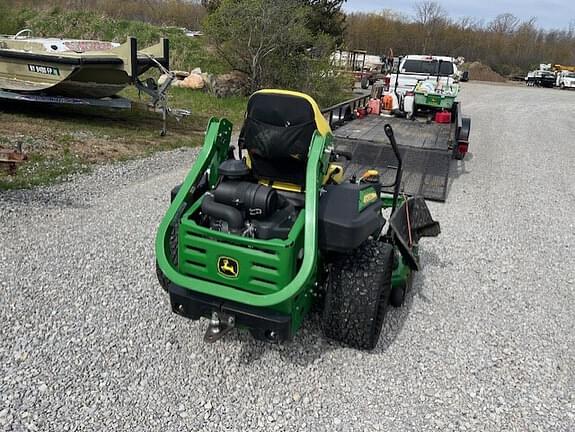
(465, 129)
(461, 146)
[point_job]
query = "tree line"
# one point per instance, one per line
(507, 44)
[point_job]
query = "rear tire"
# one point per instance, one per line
(364, 83)
(358, 289)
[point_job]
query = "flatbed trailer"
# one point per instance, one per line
(427, 148)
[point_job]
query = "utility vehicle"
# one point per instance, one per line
(540, 78)
(565, 79)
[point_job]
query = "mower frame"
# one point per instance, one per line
(276, 315)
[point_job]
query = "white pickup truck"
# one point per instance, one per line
(416, 68)
(433, 73)
(565, 80)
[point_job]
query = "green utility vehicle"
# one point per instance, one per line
(256, 234)
(427, 94)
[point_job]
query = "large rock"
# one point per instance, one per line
(230, 84)
(181, 74)
(209, 80)
(193, 81)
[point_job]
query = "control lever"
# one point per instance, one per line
(398, 174)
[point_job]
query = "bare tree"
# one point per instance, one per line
(468, 23)
(431, 17)
(429, 12)
(504, 23)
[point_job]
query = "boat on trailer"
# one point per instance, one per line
(82, 72)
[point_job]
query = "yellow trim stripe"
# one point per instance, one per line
(289, 187)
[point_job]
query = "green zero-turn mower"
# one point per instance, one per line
(252, 242)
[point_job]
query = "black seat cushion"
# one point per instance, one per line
(286, 169)
(277, 134)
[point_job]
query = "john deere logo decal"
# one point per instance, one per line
(228, 267)
(369, 197)
(366, 197)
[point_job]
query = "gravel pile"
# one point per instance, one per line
(481, 72)
(485, 341)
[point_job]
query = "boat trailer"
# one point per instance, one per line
(158, 102)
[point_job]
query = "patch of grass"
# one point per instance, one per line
(41, 170)
(61, 141)
(206, 105)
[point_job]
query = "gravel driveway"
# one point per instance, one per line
(485, 342)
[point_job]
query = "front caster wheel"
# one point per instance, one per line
(397, 296)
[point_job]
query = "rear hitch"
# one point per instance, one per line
(220, 325)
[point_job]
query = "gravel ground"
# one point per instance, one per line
(484, 343)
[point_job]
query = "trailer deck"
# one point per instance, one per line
(412, 133)
(426, 148)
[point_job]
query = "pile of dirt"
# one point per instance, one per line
(480, 72)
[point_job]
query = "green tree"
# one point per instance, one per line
(265, 39)
(326, 17)
(272, 42)
(211, 5)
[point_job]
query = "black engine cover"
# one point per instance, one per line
(256, 200)
(348, 214)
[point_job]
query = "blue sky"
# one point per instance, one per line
(549, 14)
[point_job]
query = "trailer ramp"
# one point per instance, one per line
(425, 172)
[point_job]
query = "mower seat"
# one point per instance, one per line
(277, 134)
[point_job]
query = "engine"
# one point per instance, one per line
(246, 208)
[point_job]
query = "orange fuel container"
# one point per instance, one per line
(387, 101)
